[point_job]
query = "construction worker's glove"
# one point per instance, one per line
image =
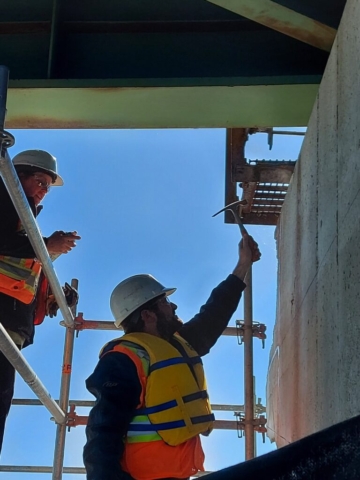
(51, 306)
(72, 298)
(71, 295)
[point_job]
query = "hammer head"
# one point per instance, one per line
(232, 206)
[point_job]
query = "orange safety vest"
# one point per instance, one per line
(19, 277)
(157, 453)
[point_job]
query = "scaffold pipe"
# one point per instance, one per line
(17, 360)
(26, 216)
(4, 80)
(90, 403)
(82, 324)
(249, 369)
(59, 451)
(39, 469)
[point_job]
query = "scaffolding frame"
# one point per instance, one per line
(64, 416)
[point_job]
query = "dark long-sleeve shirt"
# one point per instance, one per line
(117, 389)
(15, 315)
(13, 238)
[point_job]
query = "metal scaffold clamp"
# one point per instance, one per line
(257, 423)
(79, 322)
(73, 420)
(259, 426)
(258, 331)
(7, 139)
(240, 423)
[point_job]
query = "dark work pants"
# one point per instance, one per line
(7, 381)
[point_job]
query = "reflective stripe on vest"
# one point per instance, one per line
(176, 403)
(19, 277)
(142, 430)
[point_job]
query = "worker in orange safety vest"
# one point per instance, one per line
(151, 396)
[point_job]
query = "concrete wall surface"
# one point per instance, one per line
(314, 369)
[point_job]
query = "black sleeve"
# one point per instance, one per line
(117, 389)
(205, 328)
(12, 241)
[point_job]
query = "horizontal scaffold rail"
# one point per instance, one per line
(82, 324)
(91, 403)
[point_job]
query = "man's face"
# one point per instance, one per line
(167, 322)
(36, 186)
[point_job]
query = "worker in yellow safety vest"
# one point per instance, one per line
(24, 293)
(151, 397)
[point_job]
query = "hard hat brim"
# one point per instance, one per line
(169, 291)
(59, 182)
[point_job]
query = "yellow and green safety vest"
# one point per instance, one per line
(175, 405)
(19, 277)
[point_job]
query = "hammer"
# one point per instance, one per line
(253, 245)
(233, 207)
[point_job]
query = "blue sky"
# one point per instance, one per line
(143, 201)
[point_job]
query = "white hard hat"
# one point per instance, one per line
(133, 292)
(41, 159)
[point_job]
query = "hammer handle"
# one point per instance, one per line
(242, 228)
(239, 222)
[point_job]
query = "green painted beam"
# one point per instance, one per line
(282, 19)
(161, 107)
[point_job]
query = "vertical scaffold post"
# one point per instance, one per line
(4, 80)
(64, 393)
(248, 362)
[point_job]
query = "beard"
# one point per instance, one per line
(167, 326)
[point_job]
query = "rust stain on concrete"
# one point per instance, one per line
(32, 122)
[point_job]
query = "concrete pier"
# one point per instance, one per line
(314, 369)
